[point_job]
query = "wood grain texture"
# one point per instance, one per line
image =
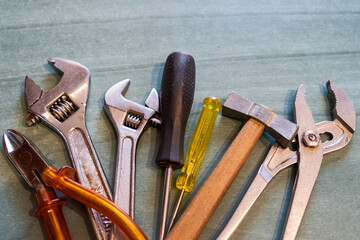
(204, 204)
(262, 50)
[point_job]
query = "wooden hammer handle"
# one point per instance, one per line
(198, 213)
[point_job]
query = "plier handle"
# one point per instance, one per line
(35, 170)
(308, 157)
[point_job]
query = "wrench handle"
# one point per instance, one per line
(50, 209)
(125, 175)
(176, 98)
(90, 175)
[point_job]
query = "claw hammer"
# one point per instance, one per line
(205, 202)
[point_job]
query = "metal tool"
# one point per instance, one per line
(34, 168)
(177, 94)
(130, 120)
(196, 150)
(50, 206)
(63, 108)
(308, 158)
(213, 190)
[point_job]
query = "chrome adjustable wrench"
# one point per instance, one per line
(63, 109)
(130, 120)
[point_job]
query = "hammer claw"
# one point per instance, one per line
(308, 157)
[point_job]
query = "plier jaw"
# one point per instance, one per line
(30, 165)
(310, 155)
(308, 158)
(37, 172)
(343, 109)
(24, 157)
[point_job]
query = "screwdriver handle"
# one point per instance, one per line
(198, 144)
(215, 187)
(176, 98)
(50, 209)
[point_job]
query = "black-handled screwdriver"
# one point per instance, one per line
(176, 98)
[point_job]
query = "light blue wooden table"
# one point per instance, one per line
(260, 50)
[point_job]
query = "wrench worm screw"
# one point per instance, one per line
(130, 120)
(155, 122)
(63, 108)
(31, 119)
(133, 120)
(67, 116)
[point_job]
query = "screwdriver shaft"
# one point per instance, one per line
(176, 210)
(196, 150)
(165, 202)
(176, 98)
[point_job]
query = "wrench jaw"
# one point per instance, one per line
(133, 115)
(63, 109)
(59, 64)
(63, 105)
(114, 96)
(130, 120)
(32, 93)
(69, 70)
(152, 101)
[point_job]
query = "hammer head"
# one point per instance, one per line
(283, 130)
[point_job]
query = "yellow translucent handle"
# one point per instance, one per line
(198, 144)
(62, 181)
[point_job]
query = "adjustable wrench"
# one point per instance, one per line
(63, 109)
(130, 120)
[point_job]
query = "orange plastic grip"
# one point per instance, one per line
(50, 211)
(61, 180)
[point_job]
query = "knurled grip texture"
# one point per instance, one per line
(176, 98)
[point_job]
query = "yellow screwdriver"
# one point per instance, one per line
(196, 149)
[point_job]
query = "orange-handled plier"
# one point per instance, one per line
(31, 165)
